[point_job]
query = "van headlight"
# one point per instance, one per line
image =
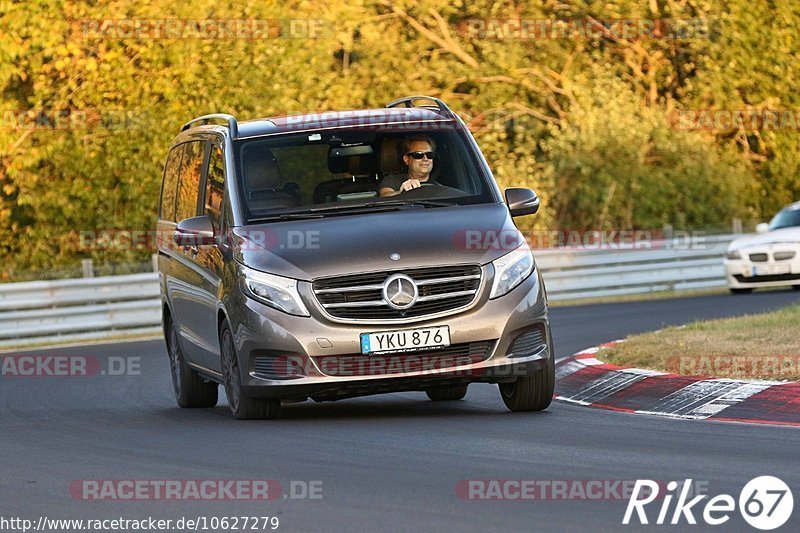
(274, 291)
(511, 270)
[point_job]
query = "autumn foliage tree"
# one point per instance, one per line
(585, 118)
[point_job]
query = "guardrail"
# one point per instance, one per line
(665, 265)
(79, 309)
(105, 307)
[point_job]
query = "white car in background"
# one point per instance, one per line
(771, 258)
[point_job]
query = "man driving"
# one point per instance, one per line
(419, 152)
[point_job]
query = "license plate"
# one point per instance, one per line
(770, 270)
(406, 340)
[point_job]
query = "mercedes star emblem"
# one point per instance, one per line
(400, 291)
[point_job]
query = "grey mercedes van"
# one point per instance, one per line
(340, 254)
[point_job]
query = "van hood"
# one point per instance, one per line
(308, 249)
(783, 235)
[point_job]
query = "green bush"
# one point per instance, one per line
(585, 121)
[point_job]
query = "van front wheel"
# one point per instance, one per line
(447, 394)
(533, 392)
(242, 406)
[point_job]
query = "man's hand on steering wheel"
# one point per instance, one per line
(412, 183)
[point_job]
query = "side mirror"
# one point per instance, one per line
(762, 228)
(521, 201)
(195, 231)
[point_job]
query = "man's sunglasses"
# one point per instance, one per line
(420, 155)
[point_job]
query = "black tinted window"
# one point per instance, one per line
(215, 185)
(170, 184)
(189, 186)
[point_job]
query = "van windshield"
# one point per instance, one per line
(341, 171)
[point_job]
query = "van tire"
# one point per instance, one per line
(191, 390)
(447, 394)
(533, 392)
(242, 406)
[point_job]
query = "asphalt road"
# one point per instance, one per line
(388, 462)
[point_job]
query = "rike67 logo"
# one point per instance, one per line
(765, 503)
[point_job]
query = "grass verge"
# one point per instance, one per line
(765, 346)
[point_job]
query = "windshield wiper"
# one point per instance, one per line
(400, 203)
(320, 212)
(314, 212)
(285, 216)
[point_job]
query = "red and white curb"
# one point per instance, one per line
(585, 380)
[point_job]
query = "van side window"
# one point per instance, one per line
(189, 186)
(170, 184)
(215, 185)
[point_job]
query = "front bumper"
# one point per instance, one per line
(746, 274)
(260, 331)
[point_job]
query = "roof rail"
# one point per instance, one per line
(233, 126)
(408, 101)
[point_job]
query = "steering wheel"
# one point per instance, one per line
(432, 190)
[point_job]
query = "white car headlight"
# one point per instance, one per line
(511, 270)
(274, 291)
(733, 255)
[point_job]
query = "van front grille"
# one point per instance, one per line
(466, 353)
(360, 296)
